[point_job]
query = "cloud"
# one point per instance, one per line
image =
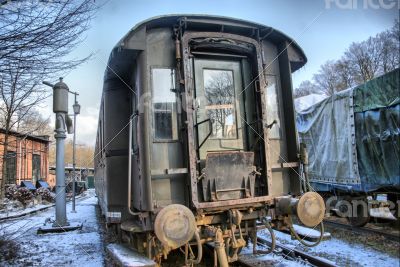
(86, 122)
(87, 126)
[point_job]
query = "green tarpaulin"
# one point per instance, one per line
(380, 92)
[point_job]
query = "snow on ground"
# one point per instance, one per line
(271, 259)
(309, 232)
(341, 252)
(20, 211)
(76, 248)
(16, 209)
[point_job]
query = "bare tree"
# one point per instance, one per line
(306, 88)
(35, 124)
(389, 46)
(84, 155)
(35, 38)
(366, 57)
(360, 63)
(327, 78)
(219, 92)
(345, 74)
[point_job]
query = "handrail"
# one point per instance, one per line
(130, 166)
(209, 133)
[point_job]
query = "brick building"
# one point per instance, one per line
(26, 158)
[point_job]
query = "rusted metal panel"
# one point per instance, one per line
(228, 175)
(222, 218)
(234, 203)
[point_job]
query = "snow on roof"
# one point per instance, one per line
(307, 101)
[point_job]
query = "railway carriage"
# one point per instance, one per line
(352, 138)
(196, 137)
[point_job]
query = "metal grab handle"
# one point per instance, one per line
(209, 133)
(269, 126)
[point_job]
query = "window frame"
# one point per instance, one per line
(234, 103)
(153, 129)
(278, 104)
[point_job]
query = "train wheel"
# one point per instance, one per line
(359, 216)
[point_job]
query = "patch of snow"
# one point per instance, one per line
(309, 232)
(272, 259)
(339, 251)
(13, 211)
(127, 257)
(16, 209)
(76, 248)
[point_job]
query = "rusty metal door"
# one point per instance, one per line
(219, 106)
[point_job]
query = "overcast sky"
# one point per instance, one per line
(323, 28)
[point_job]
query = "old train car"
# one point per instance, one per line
(196, 136)
(352, 139)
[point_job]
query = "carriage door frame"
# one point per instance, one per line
(188, 67)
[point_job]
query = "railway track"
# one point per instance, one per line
(288, 253)
(36, 211)
(389, 236)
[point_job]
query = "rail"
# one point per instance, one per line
(389, 236)
(291, 253)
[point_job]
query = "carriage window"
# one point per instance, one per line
(164, 104)
(220, 107)
(272, 107)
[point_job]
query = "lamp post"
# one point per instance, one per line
(63, 125)
(77, 109)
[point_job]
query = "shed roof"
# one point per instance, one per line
(38, 138)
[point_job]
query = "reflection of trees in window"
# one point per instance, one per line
(219, 93)
(163, 120)
(164, 104)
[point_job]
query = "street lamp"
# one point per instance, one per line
(77, 109)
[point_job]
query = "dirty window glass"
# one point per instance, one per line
(36, 167)
(272, 107)
(11, 167)
(220, 95)
(164, 104)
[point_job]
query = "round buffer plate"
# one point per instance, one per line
(175, 225)
(311, 209)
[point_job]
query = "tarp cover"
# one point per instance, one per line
(354, 151)
(325, 128)
(380, 92)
